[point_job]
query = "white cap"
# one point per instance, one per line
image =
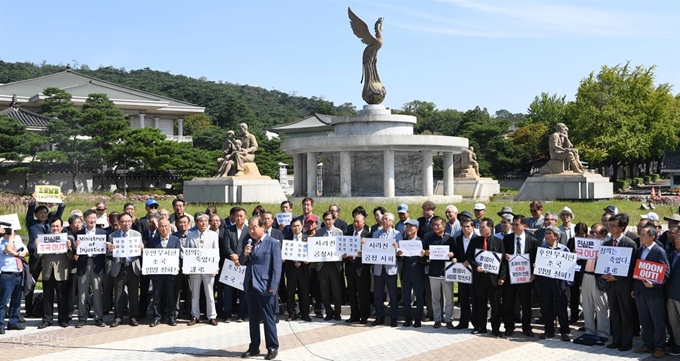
(479, 207)
(651, 216)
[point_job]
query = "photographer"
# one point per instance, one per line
(12, 252)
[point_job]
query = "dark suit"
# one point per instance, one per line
(233, 244)
(651, 303)
(673, 294)
(34, 264)
(466, 292)
(282, 292)
(164, 285)
(486, 284)
(412, 276)
(89, 274)
(358, 283)
(328, 274)
(339, 223)
(126, 274)
(424, 226)
(553, 296)
(522, 291)
(298, 276)
(263, 272)
(621, 306)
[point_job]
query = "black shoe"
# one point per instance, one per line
(460, 327)
(613, 345)
(497, 333)
(22, 319)
(134, 322)
(155, 323)
(363, 321)
(307, 318)
(318, 314)
(393, 322)
(437, 324)
(449, 325)
(250, 353)
(508, 333)
(378, 321)
(2, 331)
(566, 338)
(417, 324)
(479, 332)
(271, 354)
(529, 333)
(338, 317)
(115, 323)
(546, 336)
(351, 319)
(80, 324)
(290, 318)
(407, 323)
(172, 322)
(328, 317)
(99, 323)
(625, 347)
(16, 327)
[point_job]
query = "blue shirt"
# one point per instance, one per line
(8, 262)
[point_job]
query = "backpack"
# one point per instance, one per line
(38, 306)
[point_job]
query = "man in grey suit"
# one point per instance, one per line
(619, 287)
(673, 290)
(164, 285)
(202, 238)
(328, 273)
(232, 247)
(649, 297)
(262, 258)
(550, 219)
(385, 275)
(90, 269)
(125, 272)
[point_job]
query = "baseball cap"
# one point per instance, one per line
(412, 222)
(479, 207)
(464, 214)
(651, 216)
(402, 208)
(310, 217)
(611, 209)
(151, 202)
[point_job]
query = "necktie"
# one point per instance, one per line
(46, 230)
(20, 264)
(427, 223)
(200, 240)
(616, 242)
(127, 259)
(518, 247)
(485, 243)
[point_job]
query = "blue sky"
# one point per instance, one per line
(456, 53)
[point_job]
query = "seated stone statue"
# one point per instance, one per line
(469, 168)
(238, 156)
(562, 153)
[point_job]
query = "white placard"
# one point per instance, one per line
(200, 260)
(490, 261)
(48, 194)
(232, 275)
(127, 246)
(457, 273)
(614, 261)
(519, 267)
(52, 243)
(555, 263)
(322, 249)
(160, 261)
(91, 245)
(12, 219)
(284, 218)
(587, 248)
(378, 251)
(348, 245)
(439, 253)
(294, 250)
(411, 248)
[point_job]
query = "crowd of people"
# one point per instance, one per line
(614, 308)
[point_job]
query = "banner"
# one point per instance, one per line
(348, 245)
(127, 247)
(614, 261)
(12, 219)
(519, 267)
(439, 253)
(587, 248)
(284, 218)
(322, 249)
(457, 273)
(160, 261)
(294, 250)
(232, 275)
(411, 248)
(555, 263)
(653, 271)
(378, 251)
(91, 245)
(490, 261)
(52, 243)
(200, 260)
(48, 194)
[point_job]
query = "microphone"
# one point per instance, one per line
(250, 241)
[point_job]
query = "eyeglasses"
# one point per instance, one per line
(550, 219)
(533, 210)
(100, 209)
(328, 219)
(153, 206)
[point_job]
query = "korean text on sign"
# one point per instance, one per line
(284, 218)
(233, 275)
(294, 250)
(379, 251)
(614, 261)
(488, 260)
(52, 243)
(457, 273)
(411, 248)
(519, 267)
(555, 263)
(322, 249)
(348, 245)
(587, 248)
(127, 246)
(160, 261)
(200, 260)
(48, 194)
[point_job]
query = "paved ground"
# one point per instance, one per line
(318, 340)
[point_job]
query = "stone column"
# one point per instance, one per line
(141, 120)
(427, 173)
(448, 173)
(156, 121)
(180, 127)
(311, 174)
(388, 173)
(345, 174)
(298, 174)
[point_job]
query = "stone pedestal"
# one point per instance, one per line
(567, 186)
(479, 189)
(231, 190)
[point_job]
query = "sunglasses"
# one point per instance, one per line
(100, 209)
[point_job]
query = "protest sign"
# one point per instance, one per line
(322, 249)
(439, 253)
(653, 271)
(519, 267)
(52, 243)
(91, 245)
(378, 251)
(348, 245)
(614, 261)
(284, 218)
(587, 248)
(13, 220)
(160, 261)
(555, 263)
(126, 246)
(488, 260)
(48, 194)
(232, 275)
(294, 250)
(457, 273)
(200, 260)
(411, 248)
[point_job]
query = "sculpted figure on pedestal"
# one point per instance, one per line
(238, 156)
(562, 153)
(373, 92)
